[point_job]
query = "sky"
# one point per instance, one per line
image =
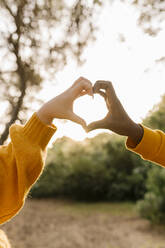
(130, 65)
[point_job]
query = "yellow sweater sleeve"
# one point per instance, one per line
(151, 147)
(21, 163)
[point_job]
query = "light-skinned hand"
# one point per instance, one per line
(61, 106)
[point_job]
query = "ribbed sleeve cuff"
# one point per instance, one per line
(149, 145)
(38, 132)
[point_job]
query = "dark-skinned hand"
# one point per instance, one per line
(116, 120)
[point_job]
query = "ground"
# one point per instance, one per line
(50, 223)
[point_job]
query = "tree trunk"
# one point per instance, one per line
(20, 71)
(14, 117)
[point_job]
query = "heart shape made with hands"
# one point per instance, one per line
(114, 118)
(90, 109)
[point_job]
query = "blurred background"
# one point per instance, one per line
(93, 192)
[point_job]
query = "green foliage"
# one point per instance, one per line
(97, 169)
(51, 182)
(156, 117)
(52, 179)
(153, 205)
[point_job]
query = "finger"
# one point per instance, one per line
(100, 84)
(104, 95)
(80, 85)
(101, 93)
(96, 125)
(87, 87)
(78, 120)
(107, 86)
(82, 93)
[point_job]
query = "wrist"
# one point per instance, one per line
(136, 132)
(44, 117)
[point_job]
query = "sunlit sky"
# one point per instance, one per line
(126, 64)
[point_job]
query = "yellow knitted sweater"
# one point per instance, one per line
(151, 147)
(21, 163)
(22, 160)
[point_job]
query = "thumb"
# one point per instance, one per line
(96, 125)
(78, 120)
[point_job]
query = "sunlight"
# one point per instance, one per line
(90, 109)
(123, 63)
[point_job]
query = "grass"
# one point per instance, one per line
(115, 209)
(69, 224)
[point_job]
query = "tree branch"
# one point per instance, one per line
(7, 7)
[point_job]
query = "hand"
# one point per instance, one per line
(117, 120)
(61, 106)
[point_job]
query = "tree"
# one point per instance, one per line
(151, 13)
(152, 207)
(156, 117)
(151, 19)
(36, 39)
